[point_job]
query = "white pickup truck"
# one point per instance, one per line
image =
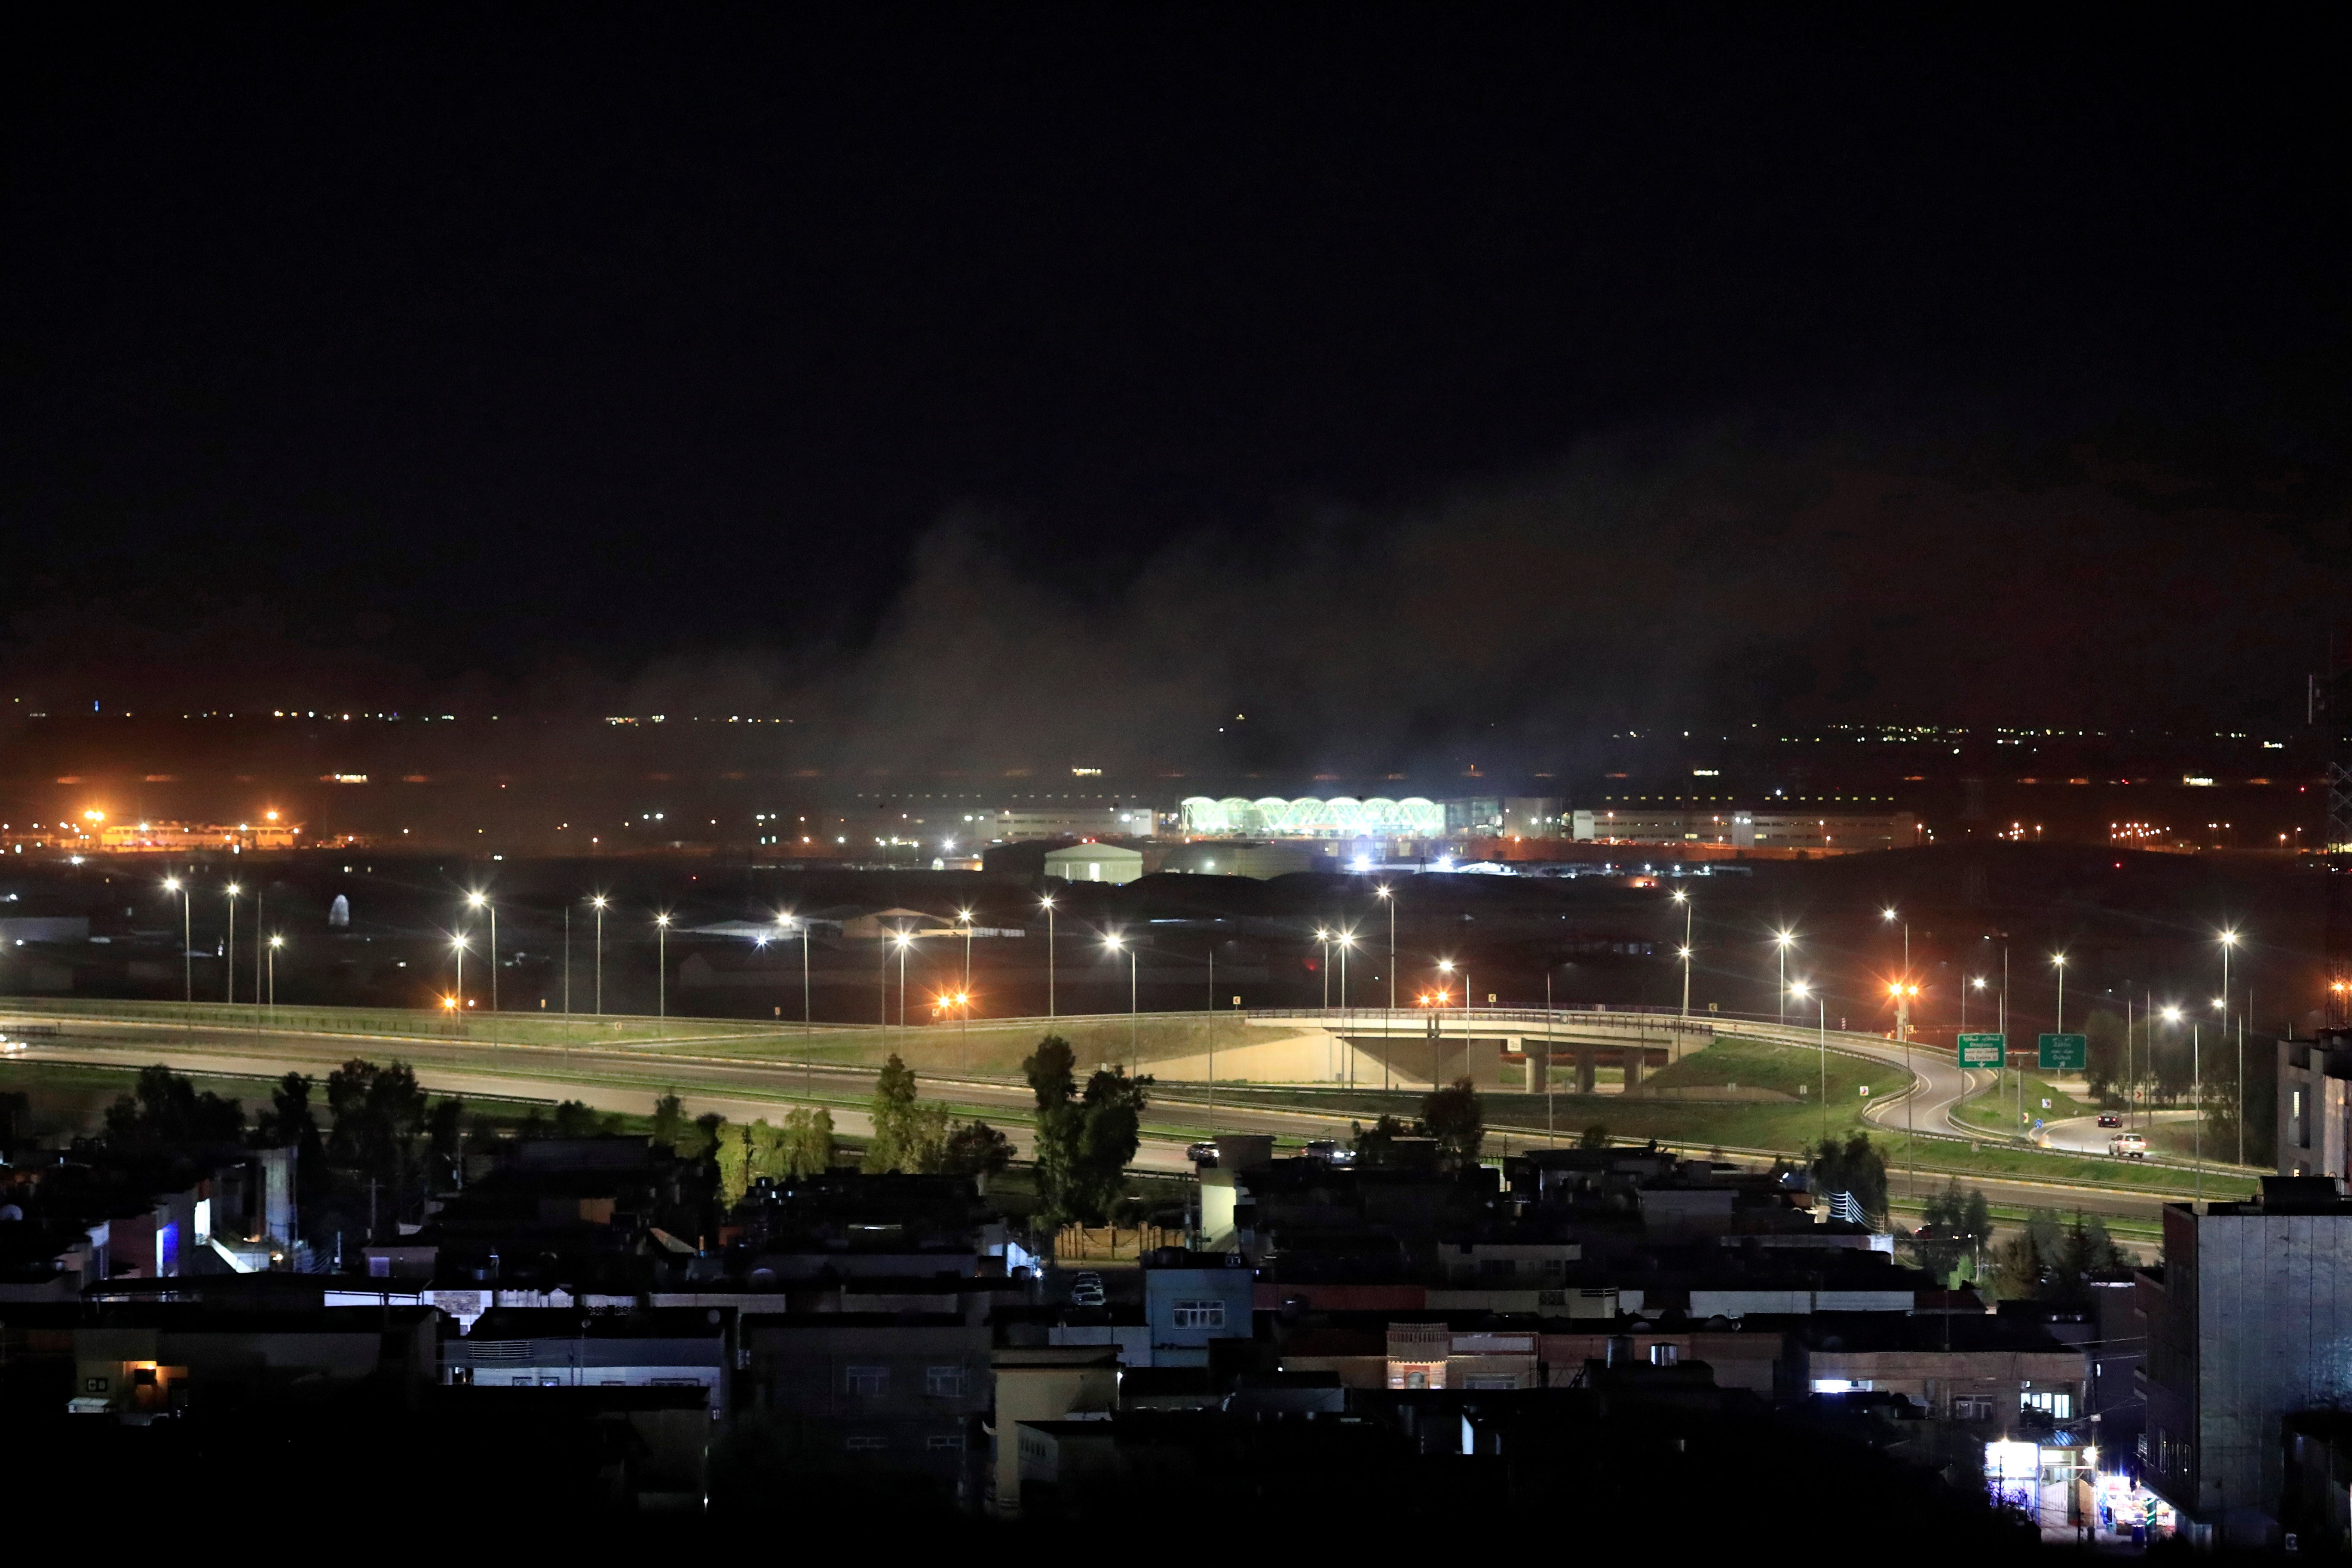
(2128, 1146)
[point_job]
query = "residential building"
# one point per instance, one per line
(1193, 1298)
(2246, 1321)
(905, 1392)
(1040, 1383)
(2314, 1108)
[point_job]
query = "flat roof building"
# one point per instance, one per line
(1095, 863)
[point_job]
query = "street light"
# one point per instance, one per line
(480, 900)
(275, 943)
(1447, 966)
(1118, 944)
(1802, 990)
(1782, 940)
(187, 937)
(228, 980)
(1346, 941)
(904, 942)
(458, 944)
(1387, 895)
(1048, 904)
(661, 967)
(1683, 898)
(963, 917)
(600, 901)
(1323, 944)
(1976, 982)
(2058, 962)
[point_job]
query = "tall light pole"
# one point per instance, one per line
(1447, 966)
(2229, 941)
(1048, 902)
(480, 900)
(1323, 943)
(567, 960)
(1802, 990)
(963, 917)
(1782, 941)
(1117, 945)
(1683, 898)
(2058, 962)
(904, 942)
(457, 944)
(1976, 982)
(275, 943)
(1347, 940)
(228, 980)
(1387, 895)
(187, 936)
(600, 901)
(661, 967)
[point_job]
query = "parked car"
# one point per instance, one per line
(2109, 1118)
(2128, 1146)
(1087, 1290)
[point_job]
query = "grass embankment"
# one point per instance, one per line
(1777, 1126)
(1995, 1111)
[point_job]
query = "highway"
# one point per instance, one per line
(626, 1079)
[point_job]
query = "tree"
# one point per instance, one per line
(1085, 1142)
(166, 1114)
(669, 1122)
(1456, 1119)
(1595, 1137)
(807, 1146)
(978, 1151)
(1051, 1070)
(701, 1139)
(2103, 1045)
(445, 1132)
(378, 1115)
(1854, 1167)
(1953, 1227)
(2051, 1262)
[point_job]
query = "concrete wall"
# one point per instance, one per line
(2274, 1335)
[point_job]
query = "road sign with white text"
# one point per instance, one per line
(2065, 1053)
(1984, 1050)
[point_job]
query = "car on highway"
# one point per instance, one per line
(2128, 1146)
(1202, 1155)
(2109, 1118)
(1087, 1290)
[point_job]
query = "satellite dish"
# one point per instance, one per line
(338, 914)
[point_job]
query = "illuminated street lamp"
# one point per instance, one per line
(1118, 944)
(2058, 962)
(1683, 952)
(187, 937)
(661, 966)
(1781, 942)
(1387, 895)
(1323, 940)
(458, 944)
(228, 967)
(1048, 903)
(1346, 941)
(963, 918)
(275, 943)
(598, 903)
(1976, 982)
(480, 900)
(1447, 966)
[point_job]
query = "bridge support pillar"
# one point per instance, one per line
(1539, 1070)
(1635, 1058)
(1586, 1077)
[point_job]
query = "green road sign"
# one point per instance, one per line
(1984, 1050)
(2065, 1053)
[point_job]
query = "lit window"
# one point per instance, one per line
(943, 1381)
(1199, 1315)
(869, 1382)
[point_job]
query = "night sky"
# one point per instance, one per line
(1407, 383)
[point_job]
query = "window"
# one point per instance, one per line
(943, 1381)
(1200, 1315)
(942, 1442)
(1971, 1407)
(866, 1443)
(2056, 1403)
(869, 1382)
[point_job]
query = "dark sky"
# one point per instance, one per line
(1385, 373)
